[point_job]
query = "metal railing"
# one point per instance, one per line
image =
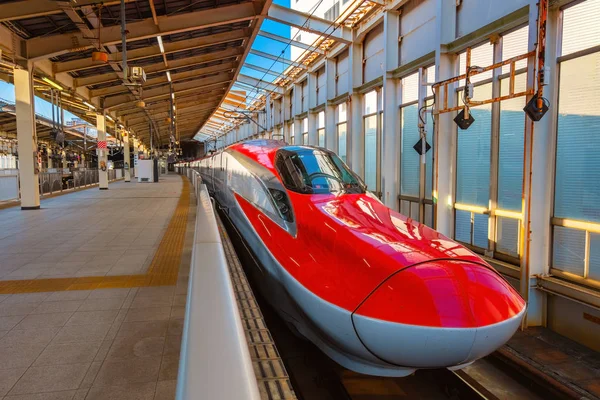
(215, 362)
(9, 184)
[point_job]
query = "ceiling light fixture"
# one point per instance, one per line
(160, 44)
(169, 76)
(89, 105)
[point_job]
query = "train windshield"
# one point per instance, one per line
(314, 171)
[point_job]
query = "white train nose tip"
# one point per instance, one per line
(431, 347)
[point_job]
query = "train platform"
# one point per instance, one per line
(93, 292)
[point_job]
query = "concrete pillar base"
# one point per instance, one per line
(31, 208)
(103, 188)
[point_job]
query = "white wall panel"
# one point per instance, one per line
(417, 29)
(373, 54)
(342, 73)
(474, 14)
(321, 86)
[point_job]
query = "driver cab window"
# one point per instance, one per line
(315, 171)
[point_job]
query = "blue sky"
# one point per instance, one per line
(42, 107)
(269, 46)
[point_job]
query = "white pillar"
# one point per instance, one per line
(64, 159)
(445, 128)
(330, 127)
(126, 157)
(102, 154)
(313, 140)
(540, 138)
(297, 131)
(390, 131)
(26, 136)
(355, 125)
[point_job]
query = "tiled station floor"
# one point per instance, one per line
(117, 263)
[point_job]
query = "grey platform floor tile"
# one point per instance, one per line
(147, 314)
(9, 309)
(108, 293)
(69, 295)
(98, 304)
(82, 333)
(26, 298)
(48, 307)
(35, 321)
(123, 372)
(8, 377)
(20, 356)
(143, 328)
(165, 390)
(62, 395)
(92, 317)
(51, 379)
(7, 323)
(68, 353)
(17, 337)
(169, 367)
(140, 391)
(129, 347)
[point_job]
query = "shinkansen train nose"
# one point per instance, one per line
(438, 314)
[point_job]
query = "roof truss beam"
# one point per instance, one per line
(164, 92)
(53, 45)
(153, 51)
(315, 25)
(31, 9)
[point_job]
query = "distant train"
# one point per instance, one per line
(379, 293)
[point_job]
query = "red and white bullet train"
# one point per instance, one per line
(379, 293)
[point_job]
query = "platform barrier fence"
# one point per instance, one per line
(215, 362)
(9, 184)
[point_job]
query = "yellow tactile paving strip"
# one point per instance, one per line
(162, 271)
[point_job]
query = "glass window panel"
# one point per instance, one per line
(462, 232)
(341, 131)
(414, 211)
(305, 138)
(321, 120)
(514, 44)
(481, 56)
(568, 250)
(371, 102)
(410, 158)
(581, 29)
(321, 133)
(594, 271)
(430, 73)
(371, 152)
(291, 133)
(410, 88)
(578, 143)
(405, 207)
(507, 236)
(480, 230)
(342, 112)
(510, 157)
(429, 215)
(473, 156)
(305, 125)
